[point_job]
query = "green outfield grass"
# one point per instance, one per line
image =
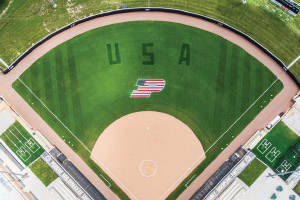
(25, 21)
(22, 143)
(43, 172)
(281, 138)
(297, 188)
(252, 172)
(208, 93)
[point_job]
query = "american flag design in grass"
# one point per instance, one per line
(147, 86)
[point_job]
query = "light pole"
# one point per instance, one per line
(16, 174)
(283, 173)
(4, 63)
(53, 4)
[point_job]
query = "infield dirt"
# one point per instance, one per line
(280, 103)
(148, 152)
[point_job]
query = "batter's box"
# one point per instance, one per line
(272, 154)
(32, 145)
(285, 165)
(264, 146)
(23, 154)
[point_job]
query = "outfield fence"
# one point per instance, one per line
(154, 9)
(169, 10)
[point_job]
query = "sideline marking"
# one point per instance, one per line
(222, 136)
(292, 63)
(184, 172)
(266, 144)
(186, 185)
(76, 138)
(274, 153)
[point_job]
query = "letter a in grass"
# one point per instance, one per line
(185, 54)
(147, 86)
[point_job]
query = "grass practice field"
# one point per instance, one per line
(276, 147)
(22, 143)
(252, 172)
(87, 81)
(43, 172)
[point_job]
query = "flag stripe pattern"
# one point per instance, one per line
(147, 86)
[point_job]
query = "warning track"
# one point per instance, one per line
(280, 103)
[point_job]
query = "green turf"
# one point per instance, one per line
(43, 171)
(252, 172)
(78, 84)
(282, 138)
(297, 188)
(16, 137)
(22, 25)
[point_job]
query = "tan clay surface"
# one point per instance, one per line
(148, 152)
(280, 103)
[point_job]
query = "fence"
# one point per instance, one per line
(168, 10)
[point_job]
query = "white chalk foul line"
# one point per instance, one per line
(111, 172)
(78, 140)
(202, 155)
(186, 185)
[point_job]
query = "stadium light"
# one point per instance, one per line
(283, 173)
(53, 4)
(292, 63)
(23, 176)
(4, 63)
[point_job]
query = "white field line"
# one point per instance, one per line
(16, 137)
(5, 10)
(186, 185)
(292, 63)
(20, 133)
(76, 138)
(111, 172)
(11, 141)
(202, 155)
(266, 144)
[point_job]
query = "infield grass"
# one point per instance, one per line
(218, 89)
(252, 172)
(43, 171)
(25, 147)
(297, 188)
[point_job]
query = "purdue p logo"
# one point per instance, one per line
(147, 86)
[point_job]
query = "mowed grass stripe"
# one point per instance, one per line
(76, 100)
(234, 82)
(61, 89)
(199, 94)
(47, 84)
(246, 80)
(227, 99)
(13, 137)
(220, 83)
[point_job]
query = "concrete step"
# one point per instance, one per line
(64, 191)
(230, 191)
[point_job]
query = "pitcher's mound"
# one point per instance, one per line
(148, 153)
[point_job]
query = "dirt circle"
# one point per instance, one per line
(148, 168)
(148, 153)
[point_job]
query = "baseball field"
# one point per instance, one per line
(83, 85)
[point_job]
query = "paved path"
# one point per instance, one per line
(280, 103)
